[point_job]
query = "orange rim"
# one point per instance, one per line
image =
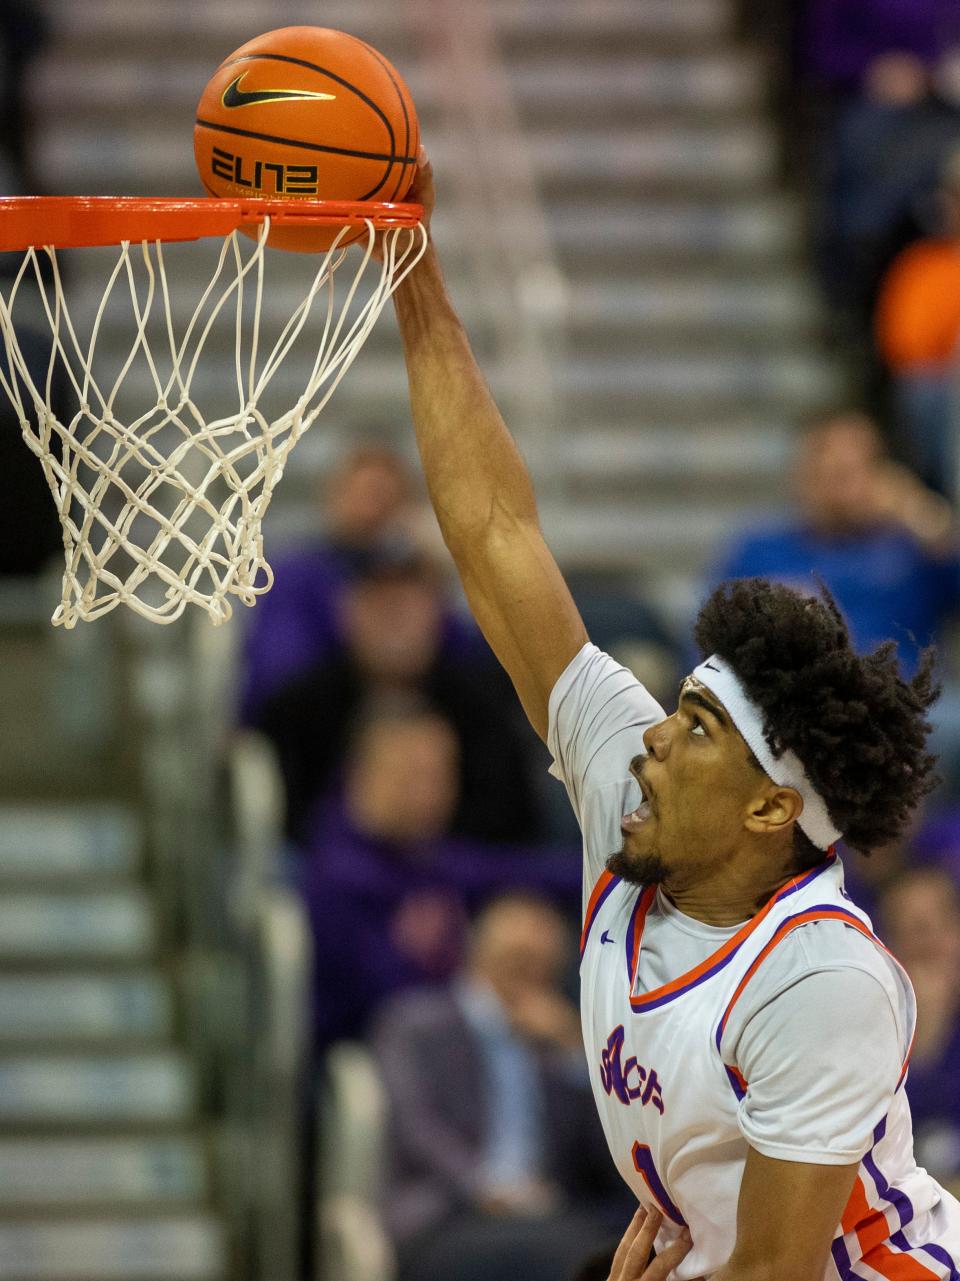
(73, 221)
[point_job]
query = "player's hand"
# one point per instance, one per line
(421, 193)
(422, 190)
(630, 1260)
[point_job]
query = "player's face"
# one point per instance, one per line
(699, 781)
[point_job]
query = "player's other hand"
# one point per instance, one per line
(630, 1260)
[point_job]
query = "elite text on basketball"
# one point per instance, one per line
(265, 176)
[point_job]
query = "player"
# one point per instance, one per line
(747, 1034)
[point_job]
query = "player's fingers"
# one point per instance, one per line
(662, 1266)
(634, 1229)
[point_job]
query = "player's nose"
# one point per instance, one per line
(656, 740)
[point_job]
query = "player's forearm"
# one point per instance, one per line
(473, 468)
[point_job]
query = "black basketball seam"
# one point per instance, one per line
(403, 107)
(332, 75)
(294, 142)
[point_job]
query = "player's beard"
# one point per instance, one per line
(638, 869)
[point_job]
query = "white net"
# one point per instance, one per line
(161, 485)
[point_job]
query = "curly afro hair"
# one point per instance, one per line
(857, 726)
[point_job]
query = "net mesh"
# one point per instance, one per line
(161, 484)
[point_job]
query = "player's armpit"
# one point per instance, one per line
(787, 1215)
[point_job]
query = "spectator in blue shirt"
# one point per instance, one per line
(886, 547)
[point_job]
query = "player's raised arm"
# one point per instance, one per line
(481, 491)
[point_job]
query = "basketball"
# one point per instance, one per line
(309, 113)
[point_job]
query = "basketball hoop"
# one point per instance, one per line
(161, 488)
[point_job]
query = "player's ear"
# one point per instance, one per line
(773, 810)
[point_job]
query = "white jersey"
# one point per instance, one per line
(790, 1032)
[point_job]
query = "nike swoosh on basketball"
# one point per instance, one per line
(234, 96)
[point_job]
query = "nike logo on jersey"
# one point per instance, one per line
(710, 667)
(628, 1081)
(605, 938)
(234, 96)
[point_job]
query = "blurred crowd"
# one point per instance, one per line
(871, 104)
(438, 864)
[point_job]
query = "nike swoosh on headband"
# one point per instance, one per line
(234, 96)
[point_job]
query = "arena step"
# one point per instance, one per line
(796, 383)
(622, 235)
(700, 454)
(109, 925)
(544, 26)
(733, 157)
(710, 84)
(64, 843)
(156, 1088)
(85, 1008)
(212, 29)
(647, 537)
(774, 303)
(148, 1171)
(174, 1247)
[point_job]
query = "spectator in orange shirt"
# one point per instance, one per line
(918, 336)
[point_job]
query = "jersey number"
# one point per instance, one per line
(643, 1164)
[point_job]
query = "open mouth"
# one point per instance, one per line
(636, 818)
(633, 821)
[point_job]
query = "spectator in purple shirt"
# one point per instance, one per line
(920, 923)
(841, 40)
(387, 890)
(365, 501)
(396, 639)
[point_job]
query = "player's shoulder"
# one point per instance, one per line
(821, 970)
(822, 946)
(594, 684)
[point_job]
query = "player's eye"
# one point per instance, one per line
(697, 727)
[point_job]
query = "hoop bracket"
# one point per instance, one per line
(75, 221)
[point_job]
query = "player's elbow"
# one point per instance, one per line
(489, 531)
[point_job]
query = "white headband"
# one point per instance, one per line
(784, 770)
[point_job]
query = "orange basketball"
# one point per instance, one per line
(307, 112)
